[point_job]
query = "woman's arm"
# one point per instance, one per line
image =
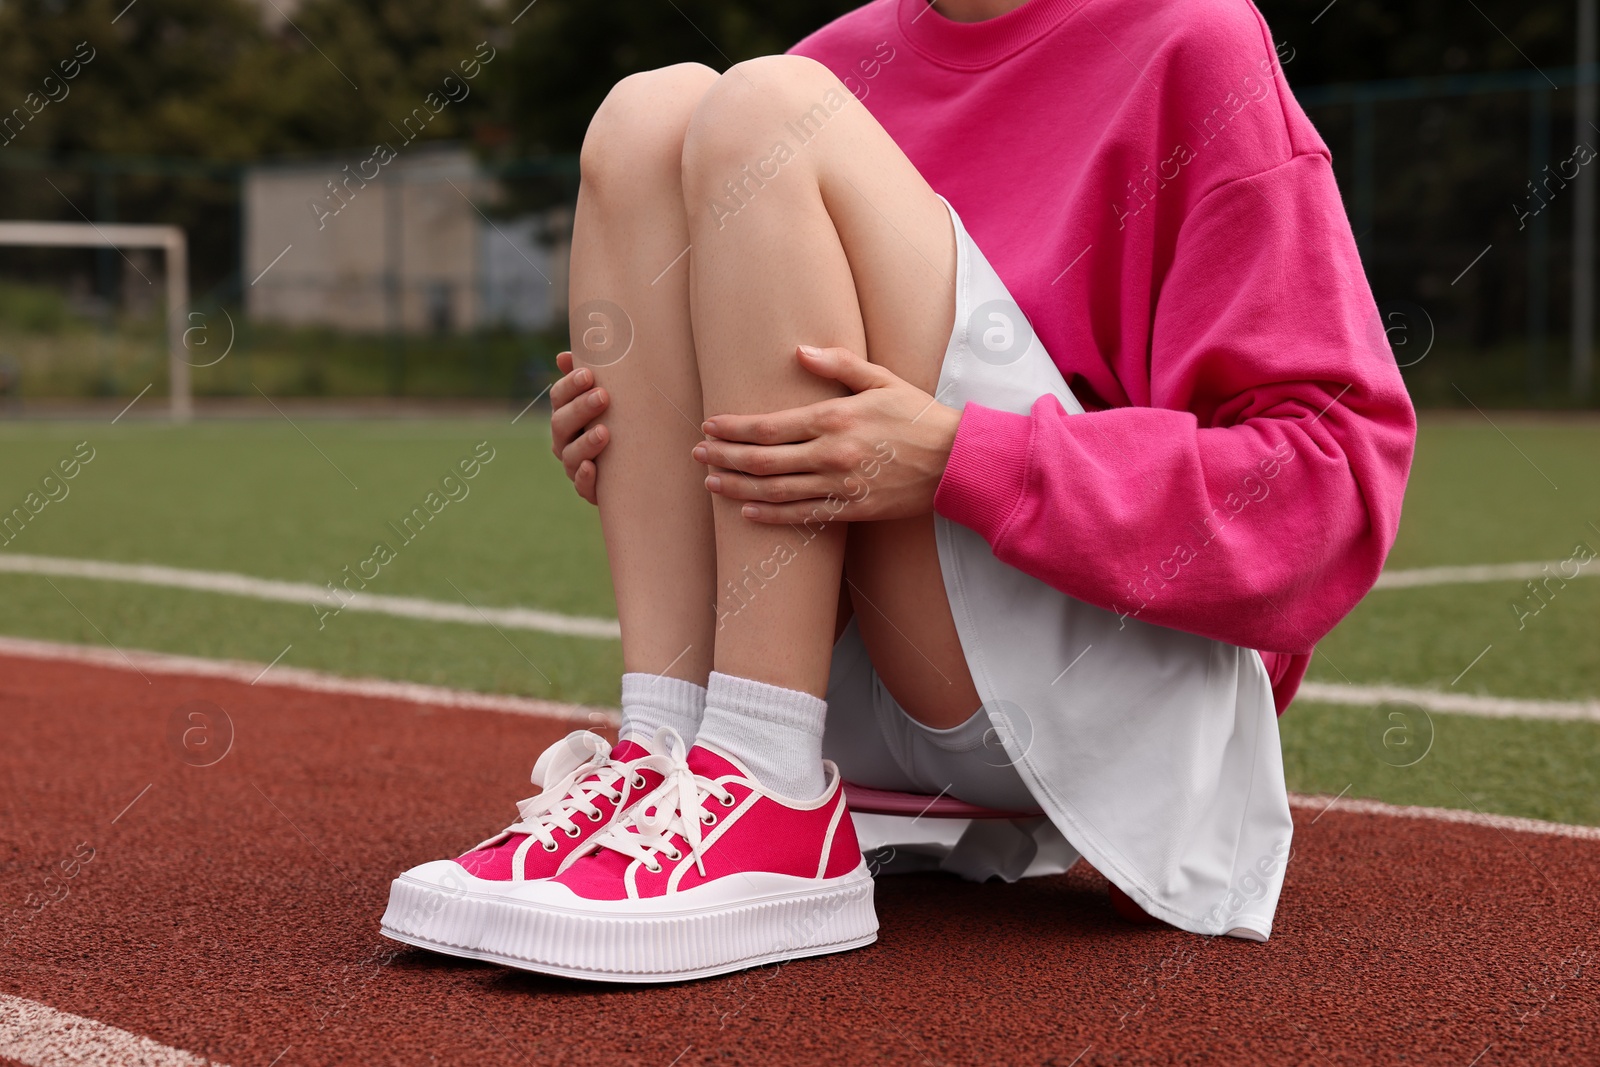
(1256, 499)
(1253, 502)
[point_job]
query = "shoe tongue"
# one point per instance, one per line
(628, 750)
(710, 763)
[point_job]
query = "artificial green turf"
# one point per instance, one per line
(259, 498)
(1536, 769)
(1428, 636)
(1513, 491)
(1518, 489)
(526, 663)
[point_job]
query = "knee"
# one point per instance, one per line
(636, 137)
(757, 118)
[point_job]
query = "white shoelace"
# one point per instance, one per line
(573, 773)
(675, 809)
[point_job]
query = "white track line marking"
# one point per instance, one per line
(305, 593)
(41, 1036)
(1468, 818)
(310, 681)
(1483, 572)
(315, 681)
(1484, 707)
(416, 693)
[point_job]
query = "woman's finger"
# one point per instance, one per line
(811, 513)
(583, 480)
(846, 368)
(759, 459)
(774, 427)
(781, 489)
(569, 420)
(584, 448)
(564, 362)
(569, 386)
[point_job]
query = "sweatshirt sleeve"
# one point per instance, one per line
(1255, 500)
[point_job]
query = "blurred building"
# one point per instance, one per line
(277, 14)
(407, 243)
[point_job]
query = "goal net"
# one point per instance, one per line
(169, 239)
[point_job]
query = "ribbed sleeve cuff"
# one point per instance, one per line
(988, 470)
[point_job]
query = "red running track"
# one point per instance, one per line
(232, 911)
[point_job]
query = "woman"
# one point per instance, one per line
(1051, 526)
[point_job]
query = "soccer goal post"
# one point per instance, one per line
(169, 239)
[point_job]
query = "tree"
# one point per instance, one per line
(567, 54)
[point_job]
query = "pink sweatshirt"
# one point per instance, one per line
(1143, 181)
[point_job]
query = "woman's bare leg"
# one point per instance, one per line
(810, 226)
(629, 309)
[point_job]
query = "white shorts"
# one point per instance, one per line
(1153, 753)
(875, 743)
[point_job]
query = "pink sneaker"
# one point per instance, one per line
(710, 873)
(585, 785)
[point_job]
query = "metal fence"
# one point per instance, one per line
(1467, 201)
(1465, 194)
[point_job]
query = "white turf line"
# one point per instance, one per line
(1484, 572)
(1483, 707)
(41, 1036)
(551, 622)
(305, 593)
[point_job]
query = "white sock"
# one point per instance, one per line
(651, 701)
(775, 732)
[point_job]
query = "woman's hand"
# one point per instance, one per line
(878, 454)
(576, 402)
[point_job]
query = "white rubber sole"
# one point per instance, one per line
(730, 924)
(439, 906)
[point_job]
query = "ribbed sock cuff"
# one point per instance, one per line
(651, 701)
(775, 732)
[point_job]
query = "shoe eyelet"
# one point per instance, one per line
(551, 846)
(572, 831)
(674, 855)
(637, 781)
(654, 870)
(709, 818)
(596, 815)
(727, 801)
